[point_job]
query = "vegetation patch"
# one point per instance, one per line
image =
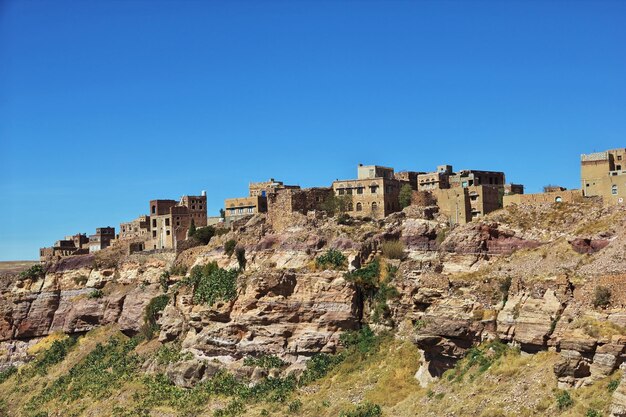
(333, 259)
(151, 315)
(211, 283)
(392, 249)
(265, 362)
(34, 272)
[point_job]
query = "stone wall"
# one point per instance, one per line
(543, 198)
(287, 204)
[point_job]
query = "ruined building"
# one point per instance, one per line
(256, 201)
(136, 229)
(603, 174)
(77, 244)
(287, 205)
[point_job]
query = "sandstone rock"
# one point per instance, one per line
(186, 373)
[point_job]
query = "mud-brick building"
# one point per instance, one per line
(603, 174)
(101, 239)
(170, 220)
(136, 229)
(374, 193)
(77, 244)
(256, 201)
(285, 205)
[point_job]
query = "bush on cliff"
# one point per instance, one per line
(151, 315)
(602, 297)
(392, 249)
(332, 258)
(229, 247)
(34, 272)
(204, 234)
(211, 283)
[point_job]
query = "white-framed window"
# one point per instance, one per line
(614, 189)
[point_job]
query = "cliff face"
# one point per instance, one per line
(527, 277)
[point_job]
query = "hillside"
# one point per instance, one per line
(522, 313)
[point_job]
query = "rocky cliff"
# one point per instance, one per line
(546, 279)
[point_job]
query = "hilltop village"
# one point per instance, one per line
(375, 193)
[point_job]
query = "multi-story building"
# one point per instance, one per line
(374, 193)
(467, 194)
(136, 229)
(603, 174)
(101, 239)
(256, 202)
(170, 220)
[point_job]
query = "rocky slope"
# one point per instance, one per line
(545, 280)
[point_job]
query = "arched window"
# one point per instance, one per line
(359, 207)
(614, 189)
(350, 207)
(374, 206)
(558, 199)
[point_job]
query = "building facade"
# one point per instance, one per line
(170, 220)
(101, 239)
(136, 229)
(375, 193)
(603, 174)
(256, 201)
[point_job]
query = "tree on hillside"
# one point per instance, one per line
(406, 193)
(192, 229)
(337, 204)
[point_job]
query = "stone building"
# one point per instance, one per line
(464, 204)
(409, 177)
(136, 229)
(285, 205)
(510, 189)
(444, 177)
(170, 220)
(374, 193)
(603, 174)
(101, 239)
(543, 198)
(256, 201)
(77, 244)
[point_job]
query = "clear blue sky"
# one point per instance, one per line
(107, 104)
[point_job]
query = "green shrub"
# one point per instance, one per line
(6, 374)
(192, 229)
(393, 249)
(362, 341)
(479, 358)
(344, 219)
(171, 354)
(178, 270)
(563, 400)
(240, 253)
(613, 385)
(34, 272)
(211, 283)
(97, 293)
(204, 234)
(593, 413)
(365, 278)
(363, 410)
(151, 315)
(380, 309)
(229, 247)
(406, 193)
(294, 406)
(602, 297)
(265, 362)
(332, 258)
(164, 281)
(50, 357)
(318, 366)
(96, 376)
